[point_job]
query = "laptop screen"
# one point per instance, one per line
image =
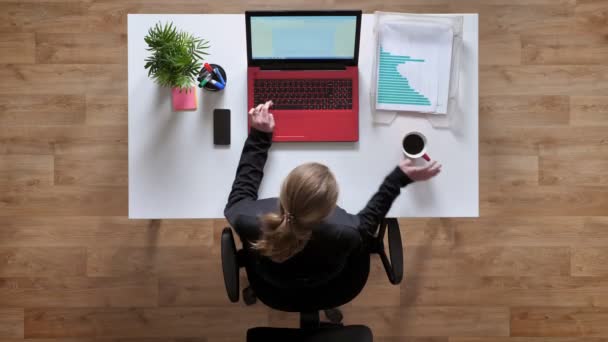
(323, 37)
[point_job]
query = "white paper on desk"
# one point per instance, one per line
(413, 66)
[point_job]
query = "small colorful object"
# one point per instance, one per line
(212, 77)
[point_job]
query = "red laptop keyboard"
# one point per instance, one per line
(298, 94)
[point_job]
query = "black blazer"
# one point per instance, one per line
(332, 241)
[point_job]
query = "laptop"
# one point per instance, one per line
(306, 63)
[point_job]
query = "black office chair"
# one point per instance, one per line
(311, 327)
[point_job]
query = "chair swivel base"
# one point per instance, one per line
(334, 315)
(249, 296)
(352, 333)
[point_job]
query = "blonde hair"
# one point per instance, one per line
(308, 195)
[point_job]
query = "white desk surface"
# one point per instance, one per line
(175, 171)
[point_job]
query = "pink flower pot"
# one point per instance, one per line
(184, 99)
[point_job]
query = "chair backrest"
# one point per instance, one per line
(334, 293)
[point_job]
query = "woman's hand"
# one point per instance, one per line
(419, 173)
(261, 119)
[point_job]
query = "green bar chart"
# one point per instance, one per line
(393, 87)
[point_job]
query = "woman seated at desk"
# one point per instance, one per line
(303, 235)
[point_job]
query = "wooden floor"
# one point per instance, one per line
(534, 267)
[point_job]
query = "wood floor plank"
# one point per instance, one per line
(511, 170)
(432, 321)
(100, 8)
(282, 319)
(505, 291)
(42, 261)
(528, 339)
(78, 48)
(575, 49)
(487, 261)
(591, 16)
(575, 142)
(81, 141)
(42, 110)
(568, 4)
(498, 111)
(63, 79)
(590, 261)
(504, 17)
(106, 110)
(11, 323)
(415, 6)
(26, 170)
(50, 17)
(64, 200)
(588, 171)
(100, 231)
(422, 231)
(161, 261)
(551, 140)
(79, 171)
(17, 48)
(142, 322)
(206, 290)
(554, 321)
(70, 291)
(109, 16)
(543, 80)
(500, 49)
(531, 231)
(578, 143)
(411, 339)
(47, 1)
(589, 111)
(122, 339)
(543, 200)
(24, 140)
(507, 141)
(596, 226)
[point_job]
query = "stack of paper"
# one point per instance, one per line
(414, 61)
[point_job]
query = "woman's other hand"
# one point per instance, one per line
(419, 173)
(261, 119)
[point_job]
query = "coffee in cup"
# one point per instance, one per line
(414, 146)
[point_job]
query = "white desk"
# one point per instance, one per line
(175, 171)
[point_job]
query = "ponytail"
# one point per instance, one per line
(282, 237)
(308, 195)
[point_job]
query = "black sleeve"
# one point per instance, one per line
(381, 201)
(251, 168)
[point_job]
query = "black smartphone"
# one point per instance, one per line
(221, 127)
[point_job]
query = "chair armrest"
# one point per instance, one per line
(230, 265)
(394, 267)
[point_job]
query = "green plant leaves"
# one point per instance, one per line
(176, 56)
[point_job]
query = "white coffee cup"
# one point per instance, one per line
(413, 145)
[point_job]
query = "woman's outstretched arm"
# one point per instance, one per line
(382, 200)
(250, 171)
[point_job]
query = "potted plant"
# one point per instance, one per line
(175, 62)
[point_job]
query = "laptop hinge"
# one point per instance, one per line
(303, 66)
